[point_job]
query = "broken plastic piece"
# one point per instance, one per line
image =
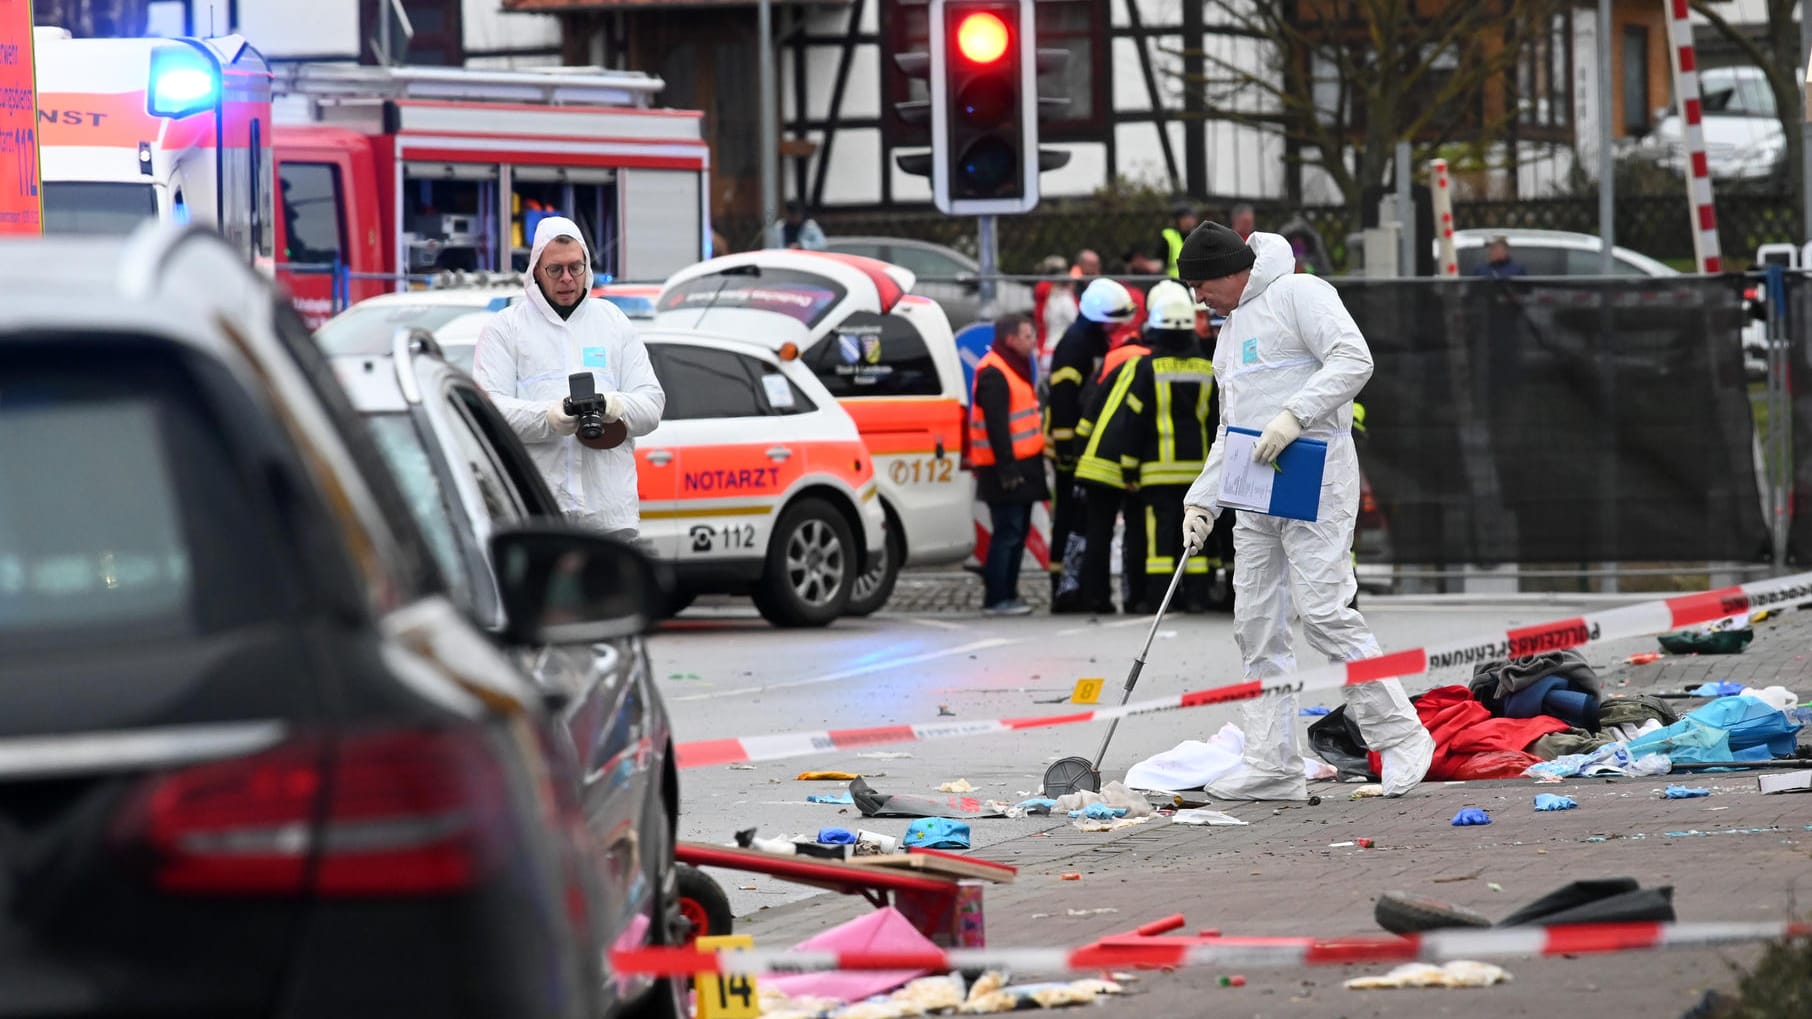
(827, 776)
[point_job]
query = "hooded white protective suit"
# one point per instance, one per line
(523, 358)
(1291, 345)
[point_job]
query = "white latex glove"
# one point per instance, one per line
(1198, 524)
(613, 407)
(559, 420)
(1283, 430)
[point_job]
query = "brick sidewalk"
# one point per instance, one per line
(1282, 875)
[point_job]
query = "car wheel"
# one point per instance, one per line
(810, 567)
(872, 589)
(703, 904)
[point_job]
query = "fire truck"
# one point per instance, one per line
(167, 129)
(391, 174)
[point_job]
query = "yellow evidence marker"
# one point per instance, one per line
(1088, 691)
(726, 995)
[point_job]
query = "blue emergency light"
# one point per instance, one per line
(183, 81)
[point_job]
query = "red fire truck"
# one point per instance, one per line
(388, 174)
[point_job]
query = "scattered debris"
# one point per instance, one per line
(1233, 981)
(683, 675)
(1791, 782)
(886, 755)
(1365, 843)
(1200, 815)
(1549, 801)
(875, 804)
(1114, 794)
(1680, 792)
(1070, 877)
(1313, 712)
(1113, 825)
(1724, 637)
(961, 785)
(1644, 658)
(742, 767)
(1102, 911)
(1470, 816)
(1456, 878)
(943, 711)
(1339, 845)
(1494, 886)
(843, 799)
(1365, 792)
(1460, 973)
(826, 776)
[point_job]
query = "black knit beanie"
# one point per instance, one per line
(1211, 251)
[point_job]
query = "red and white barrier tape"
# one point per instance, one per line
(1246, 952)
(1640, 620)
(1692, 136)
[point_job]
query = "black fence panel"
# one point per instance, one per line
(1553, 421)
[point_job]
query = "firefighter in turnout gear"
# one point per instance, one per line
(1156, 425)
(1107, 494)
(1104, 305)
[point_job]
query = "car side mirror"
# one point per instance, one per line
(560, 585)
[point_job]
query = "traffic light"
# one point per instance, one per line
(984, 106)
(982, 75)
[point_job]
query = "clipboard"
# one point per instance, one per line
(1291, 488)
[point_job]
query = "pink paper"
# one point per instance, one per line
(883, 930)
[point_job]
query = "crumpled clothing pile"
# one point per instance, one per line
(1459, 973)
(943, 995)
(1115, 796)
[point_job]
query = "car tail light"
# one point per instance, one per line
(395, 812)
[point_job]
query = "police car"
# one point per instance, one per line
(885, 354)
(755, 483)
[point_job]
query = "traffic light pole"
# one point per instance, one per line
(988, 250)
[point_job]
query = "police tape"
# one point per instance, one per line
(1244, 952)
(1641, 620)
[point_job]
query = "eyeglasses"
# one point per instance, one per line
(576, 270)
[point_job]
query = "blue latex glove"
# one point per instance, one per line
(1680, 792)
(841, 799)
(1721, 688)
(1317, 710)
(1470, 816)
(1099, 812)
(836, 837)
(1549, 801)
(1037, 804)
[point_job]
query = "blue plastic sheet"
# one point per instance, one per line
(1549, 801)
(1680, 792)
(1470, 816)
(1727, 729)
(841, 799)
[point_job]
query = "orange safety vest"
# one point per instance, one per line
(1119, 356)
(1022, 417)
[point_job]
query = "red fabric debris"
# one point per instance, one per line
(1471, 743)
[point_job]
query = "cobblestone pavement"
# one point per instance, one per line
(1734, 856)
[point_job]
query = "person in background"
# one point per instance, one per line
(1498, 263)
(1053, 305)
(1243, 221)
(796, 230)
(1104, 306)
(1087, 267)
(1007, 449)
(1183, 219)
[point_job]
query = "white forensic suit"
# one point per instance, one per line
(523, 358)
(1291, 345)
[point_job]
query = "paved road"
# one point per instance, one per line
(727, 674)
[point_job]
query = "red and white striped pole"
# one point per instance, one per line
(1443, 214)
(1692, 136)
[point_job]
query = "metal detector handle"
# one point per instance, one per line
(1138, 665)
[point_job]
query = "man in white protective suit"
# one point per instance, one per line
(524, 358)
(1289, 361)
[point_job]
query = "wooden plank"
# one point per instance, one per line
(942, 864)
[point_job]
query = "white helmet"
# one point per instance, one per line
(1106, 301)
(1169, 306)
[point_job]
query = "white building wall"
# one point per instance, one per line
(329, 29)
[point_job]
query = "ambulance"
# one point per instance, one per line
(167, 129)
(889, 358)
(391, 175)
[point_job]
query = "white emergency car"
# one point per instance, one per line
(756, 482)
(889, 358)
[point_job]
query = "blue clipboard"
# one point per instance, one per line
(1296, 491)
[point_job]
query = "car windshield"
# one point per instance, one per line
(632, 305)
(401, 445)
(1736, 95)
(84, 207)
(368, 330)
(113, 551)
(802, 296)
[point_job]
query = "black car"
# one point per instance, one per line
(254, 759)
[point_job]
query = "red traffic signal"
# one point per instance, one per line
(982, 37)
